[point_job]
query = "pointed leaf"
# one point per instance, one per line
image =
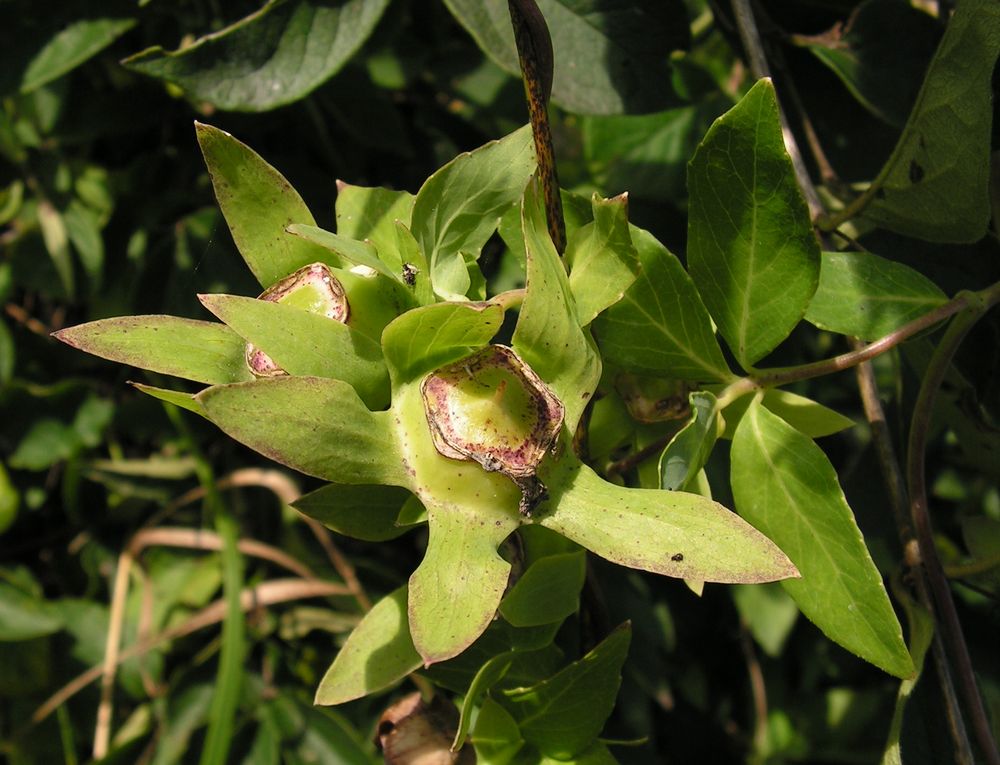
(316, 425)
(175, 397)
(661, 326)
(258, 204)
(363, 511)
(688, 451)
(358, 253)
(371, 213)
(378, 654)
(270, 58)
(488, 675)
(602, 259)
(547, 592)
(751, 248)
(195, 350)
(459, 207)
(548, 335)
(455, 591)
(426, 338)
(935, 185)
(564, 714)
(414, 266)
(866, 296)
(304, 343)
(672, 533)
(786, 487)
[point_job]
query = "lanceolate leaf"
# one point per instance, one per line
(455, 591)
(935, 184)
(316, 425)
(304, 343)
(805, 415)
(564, 714)
(547, 592)
(459, 207)
(175, 397)
(259, 204)
(548, 334)
(602, 259)
(426, 338)
(195, 350)
(785, 486)
(350, 250)
(378, 654)
(611, 57)
(671, 533)
(270, 58)
(661, 326)
(867, 296)
(751, 248)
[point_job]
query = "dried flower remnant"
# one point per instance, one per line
(492, 408)
(415, 732)
(312, 288)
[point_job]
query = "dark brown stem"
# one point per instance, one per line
(948, 621)
(534, 50)
(630, 461)
(896, 486)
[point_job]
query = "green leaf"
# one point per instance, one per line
(459, 207)
(426, 338)
(56, 238)
(488, 675)
(935, 185)
(867, 296)
(378, 654)
(547, 592)
(805, 415)
(175, 397)
(259, 204)
(564, 714)
(661, 325)
(881, 55)
(671, 533)
(83, 227)
(371, 213)
(415, 264)
(195, 350)
(751, 248)
(611, 57)
(358, 253)
(769, 613)
(455, 591)
(47, 442)
(648, 154)
(41, 47)
(24, 616)
(272, 57)
(496, 735)
(548, 335)
(688, 451)
(785, 486)
(362, 512)
(304, 343)
(7, 354)
(602, 259)
(316, 425)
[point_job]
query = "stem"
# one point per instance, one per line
(778, 376)
(750, 37)
(896, 485)
(534, 50)
(916, 481)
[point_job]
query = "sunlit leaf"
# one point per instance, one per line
(786, 487)
(751, 248)
(378, 654)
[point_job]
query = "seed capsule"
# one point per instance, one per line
(312, 288)
(493, 409)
